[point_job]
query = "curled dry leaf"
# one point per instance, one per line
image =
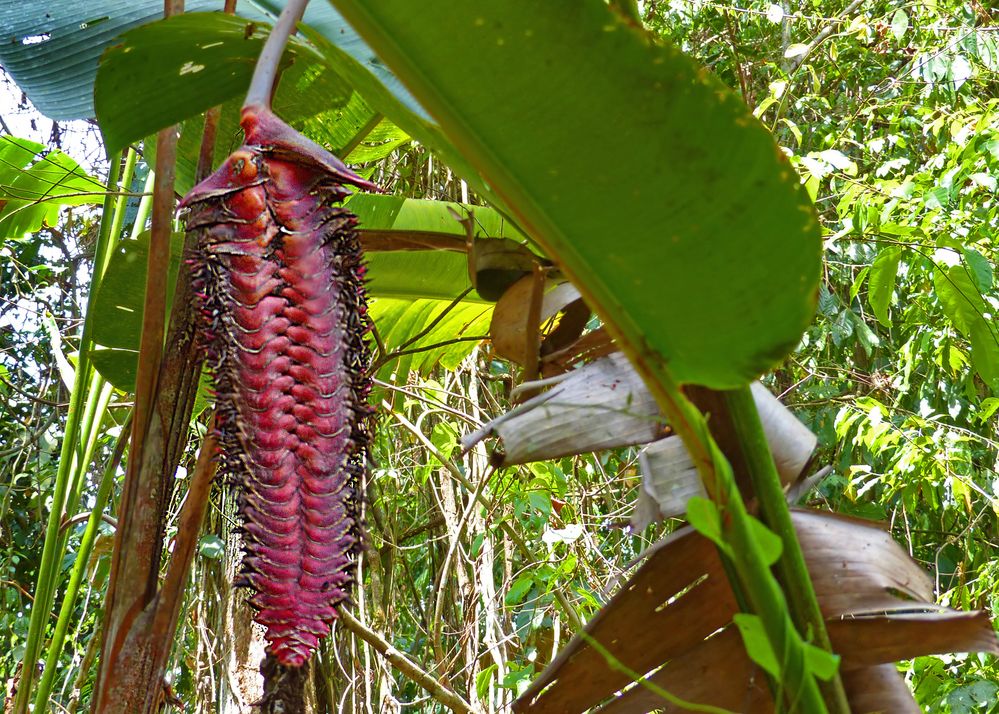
(670, 479)
(878, 601)
(606, 405)
(562, 317)
(600, 406)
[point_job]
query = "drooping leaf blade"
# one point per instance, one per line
(651, 184)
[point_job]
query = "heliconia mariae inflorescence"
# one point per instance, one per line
(279, 273)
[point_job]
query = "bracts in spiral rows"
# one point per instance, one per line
(280, 275)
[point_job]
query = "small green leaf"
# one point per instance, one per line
(868, 339)
(796, 50)
(769, 542)
(988, 408)
(858, 282)
(981, 269)
(482, 680)
(704, 517)
(961, 299)
(899, 24)
(985, 352)
(519, 589)
(757, 645)
(211, 547)
(540, 502)
(881, 282)
(821, 663)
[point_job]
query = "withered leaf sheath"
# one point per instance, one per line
(280, 276)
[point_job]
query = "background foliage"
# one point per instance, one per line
(886, 110)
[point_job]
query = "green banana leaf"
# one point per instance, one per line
(652, 184)
(36, 184)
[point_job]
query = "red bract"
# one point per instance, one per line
(279, 273)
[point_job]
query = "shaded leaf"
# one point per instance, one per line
(881, 282)
(119, 303)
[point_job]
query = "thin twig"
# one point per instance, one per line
(404, 664)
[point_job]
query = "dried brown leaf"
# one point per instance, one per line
(696, 676)
(856, 568)
(512, 330)
(633, 624)
(892, 637)
(878, 690)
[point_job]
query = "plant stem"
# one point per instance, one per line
(792, 572)
(754, 578)
(138, 538)
(76, 576)
(265, 72)
(48, 570)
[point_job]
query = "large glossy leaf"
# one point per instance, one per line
(51, 48)
(167, 71)
(651, 183)
(36, 184)
(190, 64)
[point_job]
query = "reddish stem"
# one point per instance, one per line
(264, 74)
